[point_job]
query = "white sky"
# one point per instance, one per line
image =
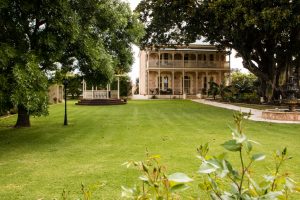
(235, 62)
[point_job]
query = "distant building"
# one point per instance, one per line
(182, 71)
(55, 93)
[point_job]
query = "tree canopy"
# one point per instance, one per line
(39, 37)
(265, 33)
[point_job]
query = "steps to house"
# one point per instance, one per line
(191, 96)
(101, 102)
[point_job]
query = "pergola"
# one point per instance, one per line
(94, 93)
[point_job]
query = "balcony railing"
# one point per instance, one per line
(187, 64)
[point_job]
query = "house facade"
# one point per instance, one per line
(181, 71)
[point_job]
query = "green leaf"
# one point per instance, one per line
(179, 178)
(179, 187)
(240, 138)
(228, 165)
(206, 168)
(290, 183)
(222, 156)
(284, 151)
(215, 163)
(272, 195)
(232, 145)
(249, 146)
(258, 157)
(144, 178)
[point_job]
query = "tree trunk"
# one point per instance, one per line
(23, 117)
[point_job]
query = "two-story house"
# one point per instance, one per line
(181, 71)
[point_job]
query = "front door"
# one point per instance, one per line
(187, 84)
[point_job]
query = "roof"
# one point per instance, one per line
(191, 47)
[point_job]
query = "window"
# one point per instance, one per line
(204, 57)
(178, 56)
(166, 81)
(166, 56)
(211, 57)
(186, 57)
(199, 56)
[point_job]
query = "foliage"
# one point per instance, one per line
(86, 191)
(93, 37)
(74, 86)
(30, 87)
(214, 89)
(224, 181)
(225, 91)
(264, 33)
(137, 85)
(156, 184)
(244, 87)
(125, 86)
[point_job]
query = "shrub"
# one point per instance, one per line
(156, 184)
(224, 181)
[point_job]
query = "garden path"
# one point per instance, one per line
(256, 115)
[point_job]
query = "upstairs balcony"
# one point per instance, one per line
(188, 64)
(185, 60)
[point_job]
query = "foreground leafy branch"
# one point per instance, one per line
(156, 184)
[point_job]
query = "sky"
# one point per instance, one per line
(235, 62)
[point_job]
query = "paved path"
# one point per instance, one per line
(256, 114)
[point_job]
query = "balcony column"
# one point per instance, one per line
(173, 82)
(182, 55)
(148, 59)
(207, 82)
(220, 78)
(197, 82)
(158, 59)
(148, 82)
(159, 82)
(173, 54)
(183, 82)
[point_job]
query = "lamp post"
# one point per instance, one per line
(65, 82)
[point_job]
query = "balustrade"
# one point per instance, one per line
(187, 64)
(95, 94)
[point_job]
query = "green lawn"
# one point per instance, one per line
(39, 162)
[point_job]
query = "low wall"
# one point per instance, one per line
(281, 115)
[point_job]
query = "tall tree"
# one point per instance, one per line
(265, 33)
(40, 36)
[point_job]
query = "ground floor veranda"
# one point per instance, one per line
(176, 83)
